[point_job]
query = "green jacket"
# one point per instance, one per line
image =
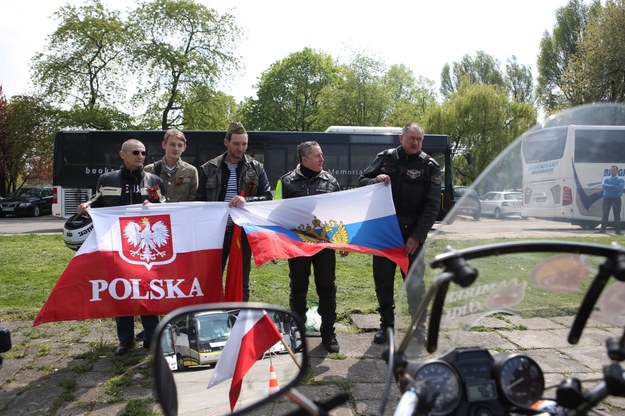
(181, 185)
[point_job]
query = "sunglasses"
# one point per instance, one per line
(139, 152)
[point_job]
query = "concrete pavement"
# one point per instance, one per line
(359, 370)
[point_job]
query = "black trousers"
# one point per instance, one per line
(247, 260)
(324, 265)
(384, 279)
(126, 328)
(613, 204)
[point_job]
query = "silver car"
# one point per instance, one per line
(501, 204)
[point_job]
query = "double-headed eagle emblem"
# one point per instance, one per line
(147, 239)
(323, 232)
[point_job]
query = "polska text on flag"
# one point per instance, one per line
(142, 260)
(253, 333)
(361, 220)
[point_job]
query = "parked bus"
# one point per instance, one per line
(81, 156)
(563, 168)
(199, 338)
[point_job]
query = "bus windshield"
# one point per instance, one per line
(213, 327)
(544, 145)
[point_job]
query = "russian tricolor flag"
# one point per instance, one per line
(359, 220)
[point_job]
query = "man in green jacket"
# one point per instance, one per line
(180, 178)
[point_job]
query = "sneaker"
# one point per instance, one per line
(330, 343)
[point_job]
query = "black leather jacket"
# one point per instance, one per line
(416, 188)
(294, 184)
(122, 187)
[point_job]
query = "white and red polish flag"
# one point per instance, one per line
(253, 333)
(142, 260)
(361, 220)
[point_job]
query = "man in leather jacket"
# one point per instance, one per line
(309, 178)
(126, 186)
(415, 180)
(225, 178)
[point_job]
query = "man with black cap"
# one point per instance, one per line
(226, 178)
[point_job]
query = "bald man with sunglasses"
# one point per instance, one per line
(126, 186)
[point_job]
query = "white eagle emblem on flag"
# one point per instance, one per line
(147, 240)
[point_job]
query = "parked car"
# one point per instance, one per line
(501, 204)
(467, 202)
(27, 201)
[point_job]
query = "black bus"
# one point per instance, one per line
(81, 156)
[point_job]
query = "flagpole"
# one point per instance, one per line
(290, 351)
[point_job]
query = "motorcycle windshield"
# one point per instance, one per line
(539, 266)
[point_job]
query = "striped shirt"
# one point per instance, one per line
(231, 189)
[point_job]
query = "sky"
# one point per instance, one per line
(424, 35)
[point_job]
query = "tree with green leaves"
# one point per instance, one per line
(519, 81)
(481, 120)
(516, 80)
(288, 92)
(596, 72)
(82, 67)
(4, 143)
(27, 127)
(483, 69)
(206, 109)
(179, 45)
(359, 96)
(556, 52)
(409, 97)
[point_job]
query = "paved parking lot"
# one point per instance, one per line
(463, 227)
(43, 224)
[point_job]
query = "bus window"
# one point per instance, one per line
(544, 145)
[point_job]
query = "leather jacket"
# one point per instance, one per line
(416, 188)
(122, 187)
(251, 176)
(294, 184)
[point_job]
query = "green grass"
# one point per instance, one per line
(31, 264)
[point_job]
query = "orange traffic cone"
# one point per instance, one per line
(273, 381)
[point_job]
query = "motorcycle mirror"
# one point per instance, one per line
(227, 358)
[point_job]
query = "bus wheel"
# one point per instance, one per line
(180, 362)
(589, 225)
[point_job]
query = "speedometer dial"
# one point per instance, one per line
(443, 379)
(520, 379)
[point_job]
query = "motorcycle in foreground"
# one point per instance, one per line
(507, 297)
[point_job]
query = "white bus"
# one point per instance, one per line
(563, 168)
(199, 338)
